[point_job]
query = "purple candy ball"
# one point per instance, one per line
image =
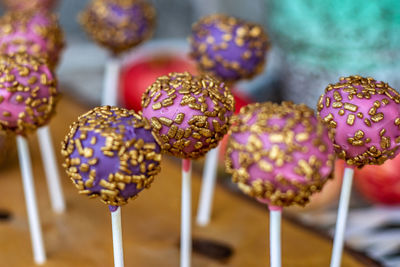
(228, 48)
(110, 152)
(119, 24)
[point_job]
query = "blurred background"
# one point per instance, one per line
(313, 43)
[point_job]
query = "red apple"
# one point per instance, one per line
(380, 184)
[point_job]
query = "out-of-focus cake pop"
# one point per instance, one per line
(228, 48)
(28, 93)
(36, 33)
(364, 115)
(118, 25)
(189, 114)
(280, 154)
(110, 152)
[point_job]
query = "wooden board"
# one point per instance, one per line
(82, 236)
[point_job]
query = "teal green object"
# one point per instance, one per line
(354, 35)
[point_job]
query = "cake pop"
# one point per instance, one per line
(28, 93)
(110, 152)
(363, 115)
(189, 115)
(27, 5)
(118, 25)
(28, 96)
(279, 154)
(228, 48)
(37, 33)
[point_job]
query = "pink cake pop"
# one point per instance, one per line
(190, 115)
(280, 154)
(25, 5)
(37, 33)
(364, 116)
(28, 93)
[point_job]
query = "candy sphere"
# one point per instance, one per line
(118, 24)
(189, 114)
(228, 48)
(364, 115)
(37, 33)
(28, 93)
(280, 154)
(25, 5)
(110, 152)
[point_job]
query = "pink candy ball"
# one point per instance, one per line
(28, 93)
(364, 115)
(36, 33)
(279, 154)
(189, 115)
(25, 5)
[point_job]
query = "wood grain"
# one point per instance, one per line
(82, 236)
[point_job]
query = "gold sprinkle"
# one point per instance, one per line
(165, 121)
(156, 106)
(350, 107)
(377, 117)
(179, 118)
(350, 119)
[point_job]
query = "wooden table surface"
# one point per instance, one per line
(151, 223)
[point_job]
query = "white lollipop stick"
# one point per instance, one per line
(39, 255)
(338, 240)
(111, 82)
(275, 216)
(186, 235)
(51, 169)
(207, 187)
(117, 237)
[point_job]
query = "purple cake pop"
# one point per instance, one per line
(280, 154)
(110, 152)
(189, 115)
(228, 48)
(119, 24)
(28, 93)
(36, 33)
(364, 115)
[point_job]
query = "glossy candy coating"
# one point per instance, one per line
(110, 152)
(279, 154)
(189, 114)
(228, 48)
(36, 33)
(28, 93)
(364, 115)
(118, 25)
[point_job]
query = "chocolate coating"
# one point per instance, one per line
(118, 24)
(28, 93)
(364, 115)
(228, 48)
(189, 115)
(280, 154)
(110, 152)
(33, 32)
